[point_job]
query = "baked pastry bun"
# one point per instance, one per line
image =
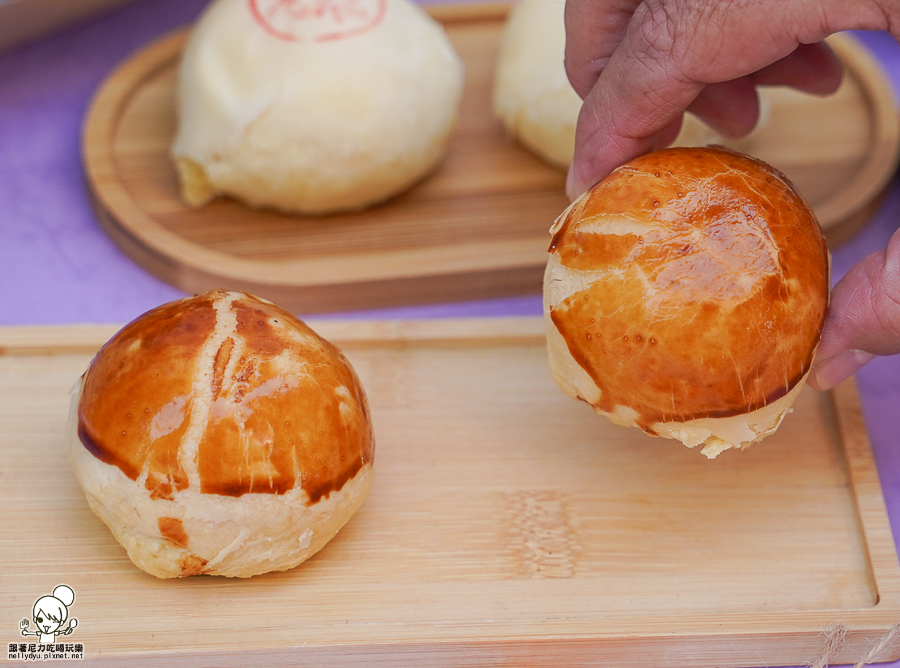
(313, 108)
(532, 94)
(685, 295)
(219, 434)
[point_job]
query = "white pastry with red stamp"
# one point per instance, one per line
(313, 106)
(317, 20)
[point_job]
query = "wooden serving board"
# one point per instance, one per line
(476, 228)
(508, 525)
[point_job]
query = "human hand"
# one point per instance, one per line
(863, 319)
(640, 64)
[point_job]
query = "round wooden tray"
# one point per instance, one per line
(476, 228)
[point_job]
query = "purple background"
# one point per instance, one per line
(58, 267)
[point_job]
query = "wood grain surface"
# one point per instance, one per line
(508, 525)
(476, 228)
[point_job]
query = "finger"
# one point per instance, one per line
(730, 107)
(864, 318)
(669, 133)
(670, 51)
(593, 30)
(658, 70)
(636, 97)
(812, 68)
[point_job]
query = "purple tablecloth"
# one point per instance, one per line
(57, 266)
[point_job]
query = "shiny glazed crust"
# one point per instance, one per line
(691, 284)
(219, 434)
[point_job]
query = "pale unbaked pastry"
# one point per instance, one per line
(685, 295)
(221, 435)
(532, 94)
(537, 104)
(313, 108)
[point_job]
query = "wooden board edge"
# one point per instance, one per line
(803, 632)
(87, 338)
(842, 231)
(103, 108)
(872, 512)
(649, 650)
(48, 340)
(467, 12)
(878, 169)
(450, 277)
(108, 195)
(357, 269)
(187, 265)
(521, 274)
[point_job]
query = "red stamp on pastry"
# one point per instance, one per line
(317, 20)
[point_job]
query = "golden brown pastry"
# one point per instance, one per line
(685, 295)
(219, 434)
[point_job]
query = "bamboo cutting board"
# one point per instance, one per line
(476, 228)
(508, 525)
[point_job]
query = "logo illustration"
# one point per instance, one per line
(50, 614)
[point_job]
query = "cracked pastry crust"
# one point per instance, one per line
(219, 434)
(685, 295)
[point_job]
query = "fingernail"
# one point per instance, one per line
(829, 372)
(573, 185)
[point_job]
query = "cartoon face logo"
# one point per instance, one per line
(317, 20)
(50, 613)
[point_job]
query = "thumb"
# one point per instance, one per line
(864, 318)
